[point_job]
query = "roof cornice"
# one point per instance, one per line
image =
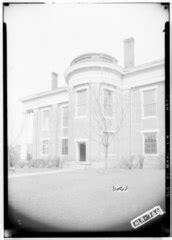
(144, 66)
(43, 94)
(95, 65)
(110, 66)
(91, 65)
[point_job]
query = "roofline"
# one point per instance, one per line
(115, 67)
(78, 66)
(43, 94)
(93, 64)
(148, 65)
(76, 60)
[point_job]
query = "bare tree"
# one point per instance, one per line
(15, 132)
(107, 127)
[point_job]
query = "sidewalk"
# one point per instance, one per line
(35, 171)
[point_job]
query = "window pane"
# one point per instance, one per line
(108, 110)
(150, 110)
(45, 146)
(46, 114)
(149, 103)
(81, 97)
(64, 146)
(108, 103)
(65, 131)
(150, 143)
(149, 96)
(81, 110)
(108, 97)
(65, 117)
(81, 103)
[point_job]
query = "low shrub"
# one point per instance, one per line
(21, 164)
(54, 162)
(127, 162)
(141, 160)
(40, 163)
(43, 163)
(13, 155)
(29, 156)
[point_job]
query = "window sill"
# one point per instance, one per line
(149, 117)
(151, 155)
(78, 117)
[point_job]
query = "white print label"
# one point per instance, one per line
(146, 217)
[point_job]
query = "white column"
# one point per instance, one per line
(23, 153)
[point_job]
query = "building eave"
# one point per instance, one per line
(110, 66)
(104, 66)
(43, 94)
(91, 65)
(145, 66)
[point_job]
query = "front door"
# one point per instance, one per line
(82, 152)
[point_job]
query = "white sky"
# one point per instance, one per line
(46, 38)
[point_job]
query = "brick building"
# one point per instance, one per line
(101, 102)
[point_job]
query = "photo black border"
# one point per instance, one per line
(160, 228)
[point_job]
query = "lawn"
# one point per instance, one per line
(85, 200)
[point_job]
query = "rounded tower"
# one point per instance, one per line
(93, 81)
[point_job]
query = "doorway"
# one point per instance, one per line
(82, 151)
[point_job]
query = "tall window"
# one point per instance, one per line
(108, 103)
(30, 124)
(65, 120)
(45, 147)
(149, 103)
(64, 146)
(65, 116)
(81, 102)
(45, 119)
(150, 143)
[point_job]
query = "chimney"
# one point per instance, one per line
(129, 52)
(54, 81)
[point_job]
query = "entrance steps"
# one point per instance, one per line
(77, 165)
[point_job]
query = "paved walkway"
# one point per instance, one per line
(39, 173)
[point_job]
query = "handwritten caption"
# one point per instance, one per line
(119, 188)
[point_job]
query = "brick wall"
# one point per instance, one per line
(138, 124)
(39, 134)
(129, 140)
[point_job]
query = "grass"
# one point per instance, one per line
(84, 200)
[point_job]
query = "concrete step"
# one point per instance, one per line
(77, 165)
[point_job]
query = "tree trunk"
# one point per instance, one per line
(106, 157)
